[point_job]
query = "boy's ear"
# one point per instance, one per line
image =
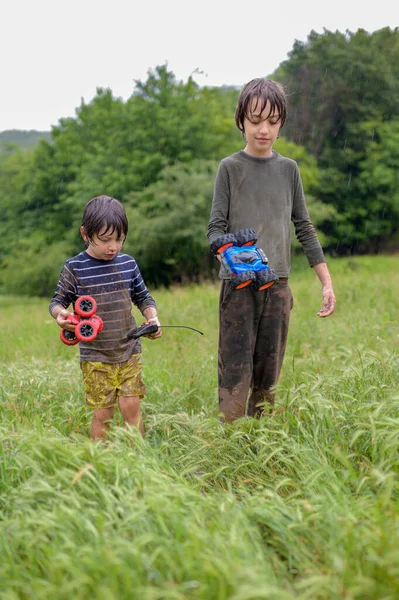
(84, 235)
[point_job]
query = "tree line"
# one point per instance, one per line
(158, 152)
(23, 138)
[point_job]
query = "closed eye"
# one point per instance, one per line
(105, 240)
(257, 120)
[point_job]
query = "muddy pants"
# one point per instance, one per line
(253, 330)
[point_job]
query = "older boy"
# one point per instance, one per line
(259, 189)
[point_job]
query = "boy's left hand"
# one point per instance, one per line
(329, 301)
(156, 334)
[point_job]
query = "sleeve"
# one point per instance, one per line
(141, 297)
(66, 290)
(304, 228)
(219, 218)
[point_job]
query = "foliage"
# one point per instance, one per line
(151, 152)
(112, 147)
(162, 166)
(335, 80)
(33, 268)
(302, 504)
(167, 222)
(342, 91)
(363, 186)
(322, 214)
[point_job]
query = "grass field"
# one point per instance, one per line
(304, 504)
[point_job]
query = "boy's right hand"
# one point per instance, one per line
(62, 320)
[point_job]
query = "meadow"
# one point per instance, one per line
(303, 504)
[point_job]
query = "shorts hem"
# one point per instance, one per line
(94, 407)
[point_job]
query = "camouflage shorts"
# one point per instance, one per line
(105, 382)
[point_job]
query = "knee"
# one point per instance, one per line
(129, 406)
(102, 415)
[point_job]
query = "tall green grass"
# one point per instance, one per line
(302, 504)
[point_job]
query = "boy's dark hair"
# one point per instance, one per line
(103, 213)
(263, 90)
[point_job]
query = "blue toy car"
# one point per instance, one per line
(246, 262)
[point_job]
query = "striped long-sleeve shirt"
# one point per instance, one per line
(114, 284)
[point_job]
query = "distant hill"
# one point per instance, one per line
(24, 139)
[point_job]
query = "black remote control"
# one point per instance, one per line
(144, 329)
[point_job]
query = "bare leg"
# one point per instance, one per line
(130, 411)
(100, 422)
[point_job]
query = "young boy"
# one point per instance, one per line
(257, 188)
(111, 363)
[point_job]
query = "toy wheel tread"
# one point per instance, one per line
(85, 306)
(86, 331)
(223, 240)
(246, 237)
(242, 280)
(68, 337)
(265, 279)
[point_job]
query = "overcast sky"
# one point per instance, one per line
(55, 53)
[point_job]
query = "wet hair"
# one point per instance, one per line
(263, 90)
(103, 213)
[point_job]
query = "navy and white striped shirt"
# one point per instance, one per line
(114, 284)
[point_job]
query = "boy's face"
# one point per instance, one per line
(261, 129)
(104, 245)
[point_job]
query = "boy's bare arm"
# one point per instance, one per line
(329, 300)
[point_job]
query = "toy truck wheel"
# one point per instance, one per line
(246, 237)
(265, 279)
(68, 337)
(242, 280)
(222, 242)
(86, 331)
(98, 322)
(85, 306)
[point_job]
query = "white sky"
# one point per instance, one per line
(54, 53)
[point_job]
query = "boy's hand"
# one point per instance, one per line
(329, 301)
(151, 316)
(62, 320)
(156, 334)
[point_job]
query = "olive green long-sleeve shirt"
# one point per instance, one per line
(264, 194)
